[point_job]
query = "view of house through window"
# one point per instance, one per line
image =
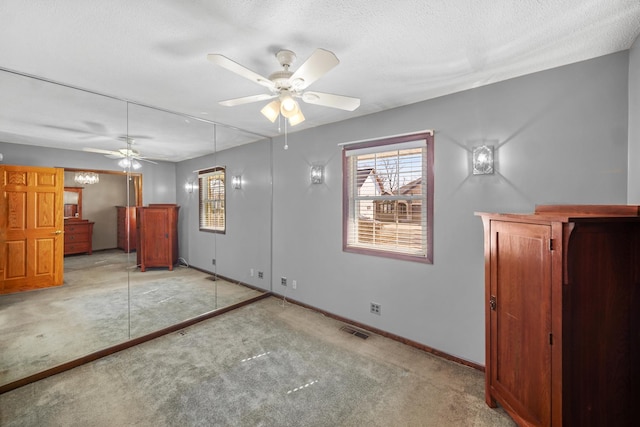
(388, 197)
(211, 185)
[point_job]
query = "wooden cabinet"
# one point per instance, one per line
(562, 291)
(157, 236)
(127, 228)
(77, 237)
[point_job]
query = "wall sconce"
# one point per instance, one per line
(236, 182)
(190, 186)
(482, 160)
(317, 174)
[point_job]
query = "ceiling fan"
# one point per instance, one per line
(286, 85)
(128, 156)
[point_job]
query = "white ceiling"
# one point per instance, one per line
(153, 52)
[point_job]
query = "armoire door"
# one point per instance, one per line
(155, 235)
(519, 310)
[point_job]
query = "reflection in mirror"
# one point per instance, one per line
(72, 201)
(46, 327)
(106, 299)
(167, 288)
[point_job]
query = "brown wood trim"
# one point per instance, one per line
(633, 210)
(389, 335)
(123, 346)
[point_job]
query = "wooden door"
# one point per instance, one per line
(519, 374)
(32, 228)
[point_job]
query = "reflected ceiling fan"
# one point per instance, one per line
(128, 157)
(287, 86)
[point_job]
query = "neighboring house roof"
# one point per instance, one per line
(408, 188)
(365, 173)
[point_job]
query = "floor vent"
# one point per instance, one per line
(356, 332)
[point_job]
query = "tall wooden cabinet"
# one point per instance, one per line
(157, 236)
(127, 228)
(562, 303)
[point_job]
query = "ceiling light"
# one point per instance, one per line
(127, 163)
(296, 119)
(271, 110)
(86, 178)
(288, 106)
(285, 105)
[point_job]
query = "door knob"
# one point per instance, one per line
(57, 232)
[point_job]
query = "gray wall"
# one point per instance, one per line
(562, 137)
(246, 244)
(98, 201)
(633, 196)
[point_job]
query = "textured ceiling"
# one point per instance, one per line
(154, 52)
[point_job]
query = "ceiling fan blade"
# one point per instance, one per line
(240, 70)
(99, 151)
(246, 100)
(144, 159)
(329, 100)
(318, 64)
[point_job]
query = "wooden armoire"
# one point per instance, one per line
(562, 304)
(157, 235)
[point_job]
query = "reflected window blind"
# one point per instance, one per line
(211, 188)
(387, 198)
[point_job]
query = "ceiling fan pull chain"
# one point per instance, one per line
(286, 145)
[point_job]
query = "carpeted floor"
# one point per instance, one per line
(103, 302)
(266, 364)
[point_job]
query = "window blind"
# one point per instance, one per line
(386, 200)
(211, 189)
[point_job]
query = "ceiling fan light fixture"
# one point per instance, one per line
(271, 110)
(288, 106)
(296, 119)
(127, 163)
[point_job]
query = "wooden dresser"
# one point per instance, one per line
(562, 305)
(127, 228)
(77, 236)
(157, 235)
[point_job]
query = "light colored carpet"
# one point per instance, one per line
(92, 310)
(265, 364)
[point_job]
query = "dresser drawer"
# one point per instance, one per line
(76, 228)
(76, 237)
(76, 248)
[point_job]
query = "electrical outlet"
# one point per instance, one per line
(260, 275)
(251, 272)
(283, 281)
(375, 308)
(294, 284)
(213, 261)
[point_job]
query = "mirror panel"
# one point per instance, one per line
(103, 301)
(43, 328)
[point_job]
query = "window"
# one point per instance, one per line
(212, 199)
(388, 197)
